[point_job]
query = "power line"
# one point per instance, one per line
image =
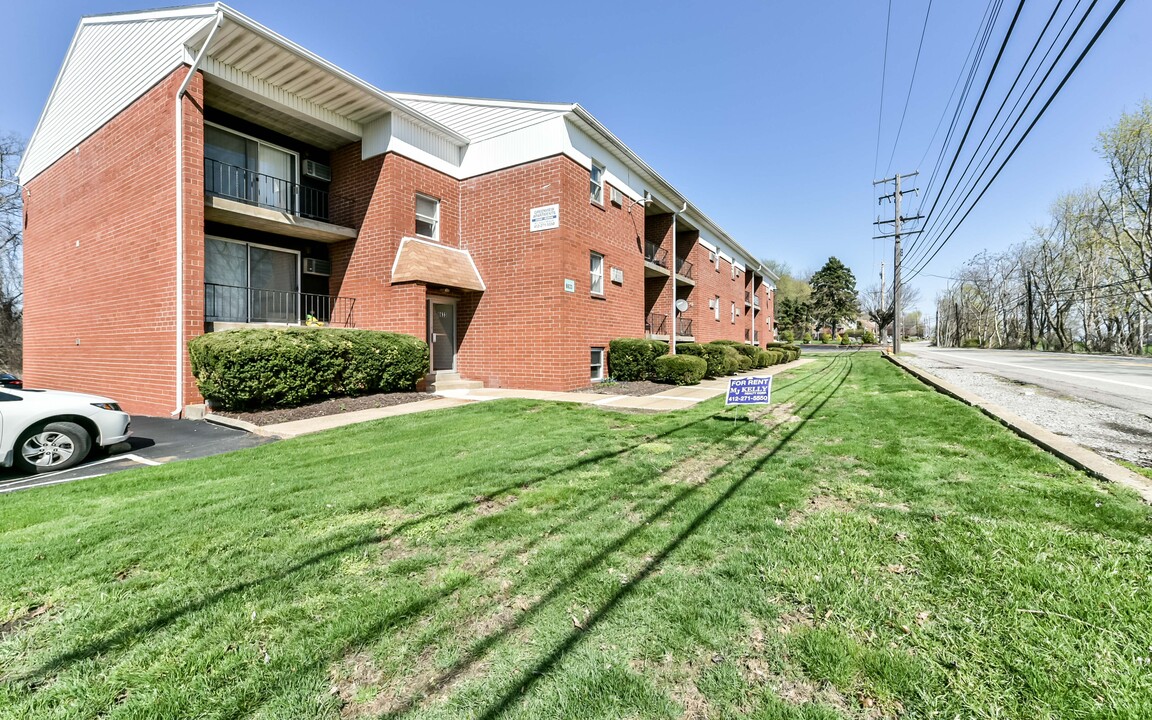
(883, 79)
(1096, 36)
(911, 83)
(927, 239)
(991, 16)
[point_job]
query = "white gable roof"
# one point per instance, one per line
(480, 119)
(112, 61)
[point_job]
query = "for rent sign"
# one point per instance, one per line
(749, 391)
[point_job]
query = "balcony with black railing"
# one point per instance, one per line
(656, 325)
(684, 270)
(239, 196)
(683, 327)
(235, 304)
(655, 260)
(267, 191)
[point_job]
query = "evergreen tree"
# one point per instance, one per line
(833, 294)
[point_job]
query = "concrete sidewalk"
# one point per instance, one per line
(676, 398)
(1070, 452)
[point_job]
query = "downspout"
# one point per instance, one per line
(675, 317)
(180, 212)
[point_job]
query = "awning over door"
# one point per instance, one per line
(435, 264)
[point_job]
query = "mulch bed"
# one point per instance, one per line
(635, 388)
(336, 406)
(331, 406)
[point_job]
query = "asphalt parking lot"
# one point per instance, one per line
(154, 441)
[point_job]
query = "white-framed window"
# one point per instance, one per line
(427, 217)
(597, 364)
(596, 270)
(596, 183)
(733, 313)
(735, 272)
(716, 307)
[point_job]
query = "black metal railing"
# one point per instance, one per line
(683, 327)
(656, 324)
(231, 303)
(683, 268)
(655, 254)
(253, 188)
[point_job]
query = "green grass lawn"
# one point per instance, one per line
(864, 548)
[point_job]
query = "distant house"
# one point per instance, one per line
(194, 171)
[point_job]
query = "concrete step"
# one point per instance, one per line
(439, 381)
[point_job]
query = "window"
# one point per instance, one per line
(427, 217)
(596, 267)
(716, 307)
(596, 184)
(244, 282)
(733, 313)
(597, 365)
(242, 168)
(735, 271)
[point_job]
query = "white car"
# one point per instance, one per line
(43, 430)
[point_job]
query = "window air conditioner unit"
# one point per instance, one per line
(617, 197)
(315, 266)
(618, 276)
(314, 169)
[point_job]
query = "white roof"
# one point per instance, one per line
(114, 59)
(482, 119)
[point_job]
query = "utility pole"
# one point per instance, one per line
(1028, 306)
(896, 254)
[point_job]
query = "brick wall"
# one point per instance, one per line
(99, 257)
(525, 330)
(378, 198)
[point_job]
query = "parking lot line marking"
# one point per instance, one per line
(35, 484)
(45, 479)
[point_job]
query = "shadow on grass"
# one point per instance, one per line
(138, 632)
(530, 676)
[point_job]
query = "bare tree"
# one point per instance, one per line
(880, 308)
(11, 244)
(1127, 197)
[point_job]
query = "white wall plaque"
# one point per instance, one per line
(569, 286)
(545, 218)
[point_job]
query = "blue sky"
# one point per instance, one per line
(763, 113)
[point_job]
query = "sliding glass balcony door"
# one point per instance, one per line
(246, 169)
(250, 283)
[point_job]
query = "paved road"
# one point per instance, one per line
(154, 441)
(1119, 382)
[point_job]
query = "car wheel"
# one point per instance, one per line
(54, 446)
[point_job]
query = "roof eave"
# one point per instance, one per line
(592, 123)
(394, 103)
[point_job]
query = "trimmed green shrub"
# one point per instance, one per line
(788, 336)
(633, 358)
(807, 337)
(845, 339)
(748, 351)
(825, 337)
(744, 363)
(721, 360)
(869, 338)
(680, 369)
(764, 358)
(281, 367)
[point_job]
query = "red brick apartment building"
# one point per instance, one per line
(193, 171)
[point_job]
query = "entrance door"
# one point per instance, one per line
(442, 334)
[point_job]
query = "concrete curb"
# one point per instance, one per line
(238, 425)
(1072, 453)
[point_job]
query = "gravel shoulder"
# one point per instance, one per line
(1109, 431)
